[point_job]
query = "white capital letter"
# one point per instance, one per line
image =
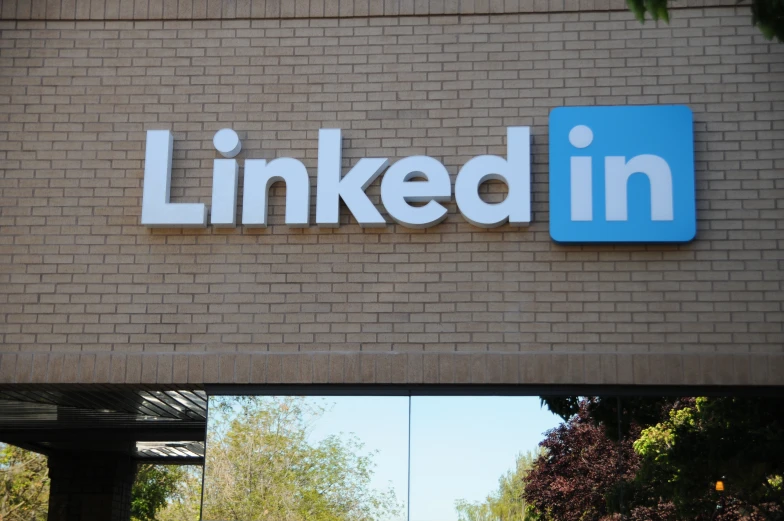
(351, 188)
(397, 191)
(259, 177)
(617, 173)
(156, 209)
(515, 171)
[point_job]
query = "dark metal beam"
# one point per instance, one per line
(55, 435)
(32, 447)
(170, 461)
(489, 390)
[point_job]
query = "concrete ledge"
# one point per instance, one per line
(550, 368)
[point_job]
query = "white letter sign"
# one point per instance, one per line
(515, 171)
(156, 208)
(397, 190)
(411, 190)
(351, 188)
(259, 177)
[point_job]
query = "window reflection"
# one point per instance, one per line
(665, 458)
(306, 458)
(564, 458)
(465, 451)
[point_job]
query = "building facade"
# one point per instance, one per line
(91, 296)
(92, 299)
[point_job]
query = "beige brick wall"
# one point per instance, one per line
(276, 9)
(89, 295)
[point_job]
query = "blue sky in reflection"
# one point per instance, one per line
(460, 446)
(381, 423)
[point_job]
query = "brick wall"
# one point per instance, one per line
(276, 9)
(89, 295)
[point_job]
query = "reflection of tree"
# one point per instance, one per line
(262, 466)
(184, 503)
(577, 471)
(506, 503)
(154, 487)
(669, 463)
(738, 439)
(24, 485)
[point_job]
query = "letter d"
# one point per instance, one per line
(515, 171)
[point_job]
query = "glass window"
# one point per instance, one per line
(306, 458)
(462, 448)
(463, 458)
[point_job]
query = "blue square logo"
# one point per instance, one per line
(622, 174)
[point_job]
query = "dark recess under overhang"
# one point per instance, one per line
(153, 424)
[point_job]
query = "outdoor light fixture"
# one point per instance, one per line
(720, 489)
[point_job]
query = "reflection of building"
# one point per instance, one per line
(107, 324)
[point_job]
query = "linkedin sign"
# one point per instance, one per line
(622, 174)
(595, 195)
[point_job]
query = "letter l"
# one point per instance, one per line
(157, 211)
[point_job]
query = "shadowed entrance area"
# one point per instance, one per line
(95, 438)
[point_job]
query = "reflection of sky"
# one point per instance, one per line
(460, 445)
(381, 424)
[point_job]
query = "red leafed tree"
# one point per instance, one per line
(580, 475)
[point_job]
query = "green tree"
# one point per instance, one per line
(184, 504)
(736, 438)
(152, 488)
(507, 503)
(639, 411)
(261, 465)
(767, 15)
(675, 449)
(24, 485)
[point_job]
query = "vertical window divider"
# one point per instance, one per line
(408, 483)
